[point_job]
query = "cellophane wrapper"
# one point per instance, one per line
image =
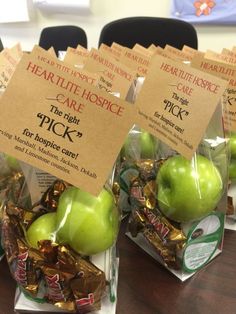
(176, 206)
(39, 229)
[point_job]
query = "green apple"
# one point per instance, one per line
(232, 145)
(188, 189)
(139, 145)
(232, 169)
(12, 162)
(43, 228)
(87, 223)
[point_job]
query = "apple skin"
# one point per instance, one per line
(43, 228)
(188, 190)
(87, 223)
(12, 162)
(232, 145)
(232, 169)
(139, 145)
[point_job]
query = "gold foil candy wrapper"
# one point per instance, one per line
(143, 187)
(166, 230)
(25, 268)
(21, 216)
(57, 285)
(10, 231)
(71, 282)
(51, 197)
(49, 251)
(116, 191)
(137, 222)
(21, 258)
(88, 286)
(161, 234)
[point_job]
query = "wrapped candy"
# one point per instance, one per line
(43, 266)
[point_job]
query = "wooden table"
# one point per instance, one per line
(145, 287)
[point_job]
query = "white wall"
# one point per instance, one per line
(102, 12)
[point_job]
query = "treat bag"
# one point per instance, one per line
(48, 266)
(138, 145)
(61, 218)
(226, 71)
(178, 198)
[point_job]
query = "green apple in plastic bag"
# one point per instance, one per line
(232, 145)
(232, 163)
(42, 228)
(87, 223)
(139, 145)
(188, 189)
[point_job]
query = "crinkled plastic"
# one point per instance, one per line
(55, 236)
(177, 206)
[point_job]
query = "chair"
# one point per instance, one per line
(149, 30)
(62, 37)
(1, 46)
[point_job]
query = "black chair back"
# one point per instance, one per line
(1, 46)
(149, 30)
(62, 37)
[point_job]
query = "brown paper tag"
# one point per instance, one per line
(52, 52)
(90, 78)
(226, 71)
(76, 57)
(228, 52)
(143, 50)
(136, 61)
(117, 47)
(177, 102)
(179, 54)
(114, 76)
(113, 52)
(16, 51)
(193, 52)
(152, 48)
(209, 54)
(60, 124)
(161, 52)
(81, 48)
(9, 59)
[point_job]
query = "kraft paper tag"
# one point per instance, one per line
(152, 48)
(179, 54)
(177, 102)
(117, 47)
(164, 53)
(226, 71)
(136, 61)
(209, 54)
(76, 57)
(228, 52)
(9, 59)
(143, 50)
(114, 76)
(112, 51)
(90, 78)
(52, 52)
(16, 51)
(62, 125)
(191, 51)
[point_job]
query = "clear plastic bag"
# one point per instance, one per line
(177, 206)
(59, 240)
